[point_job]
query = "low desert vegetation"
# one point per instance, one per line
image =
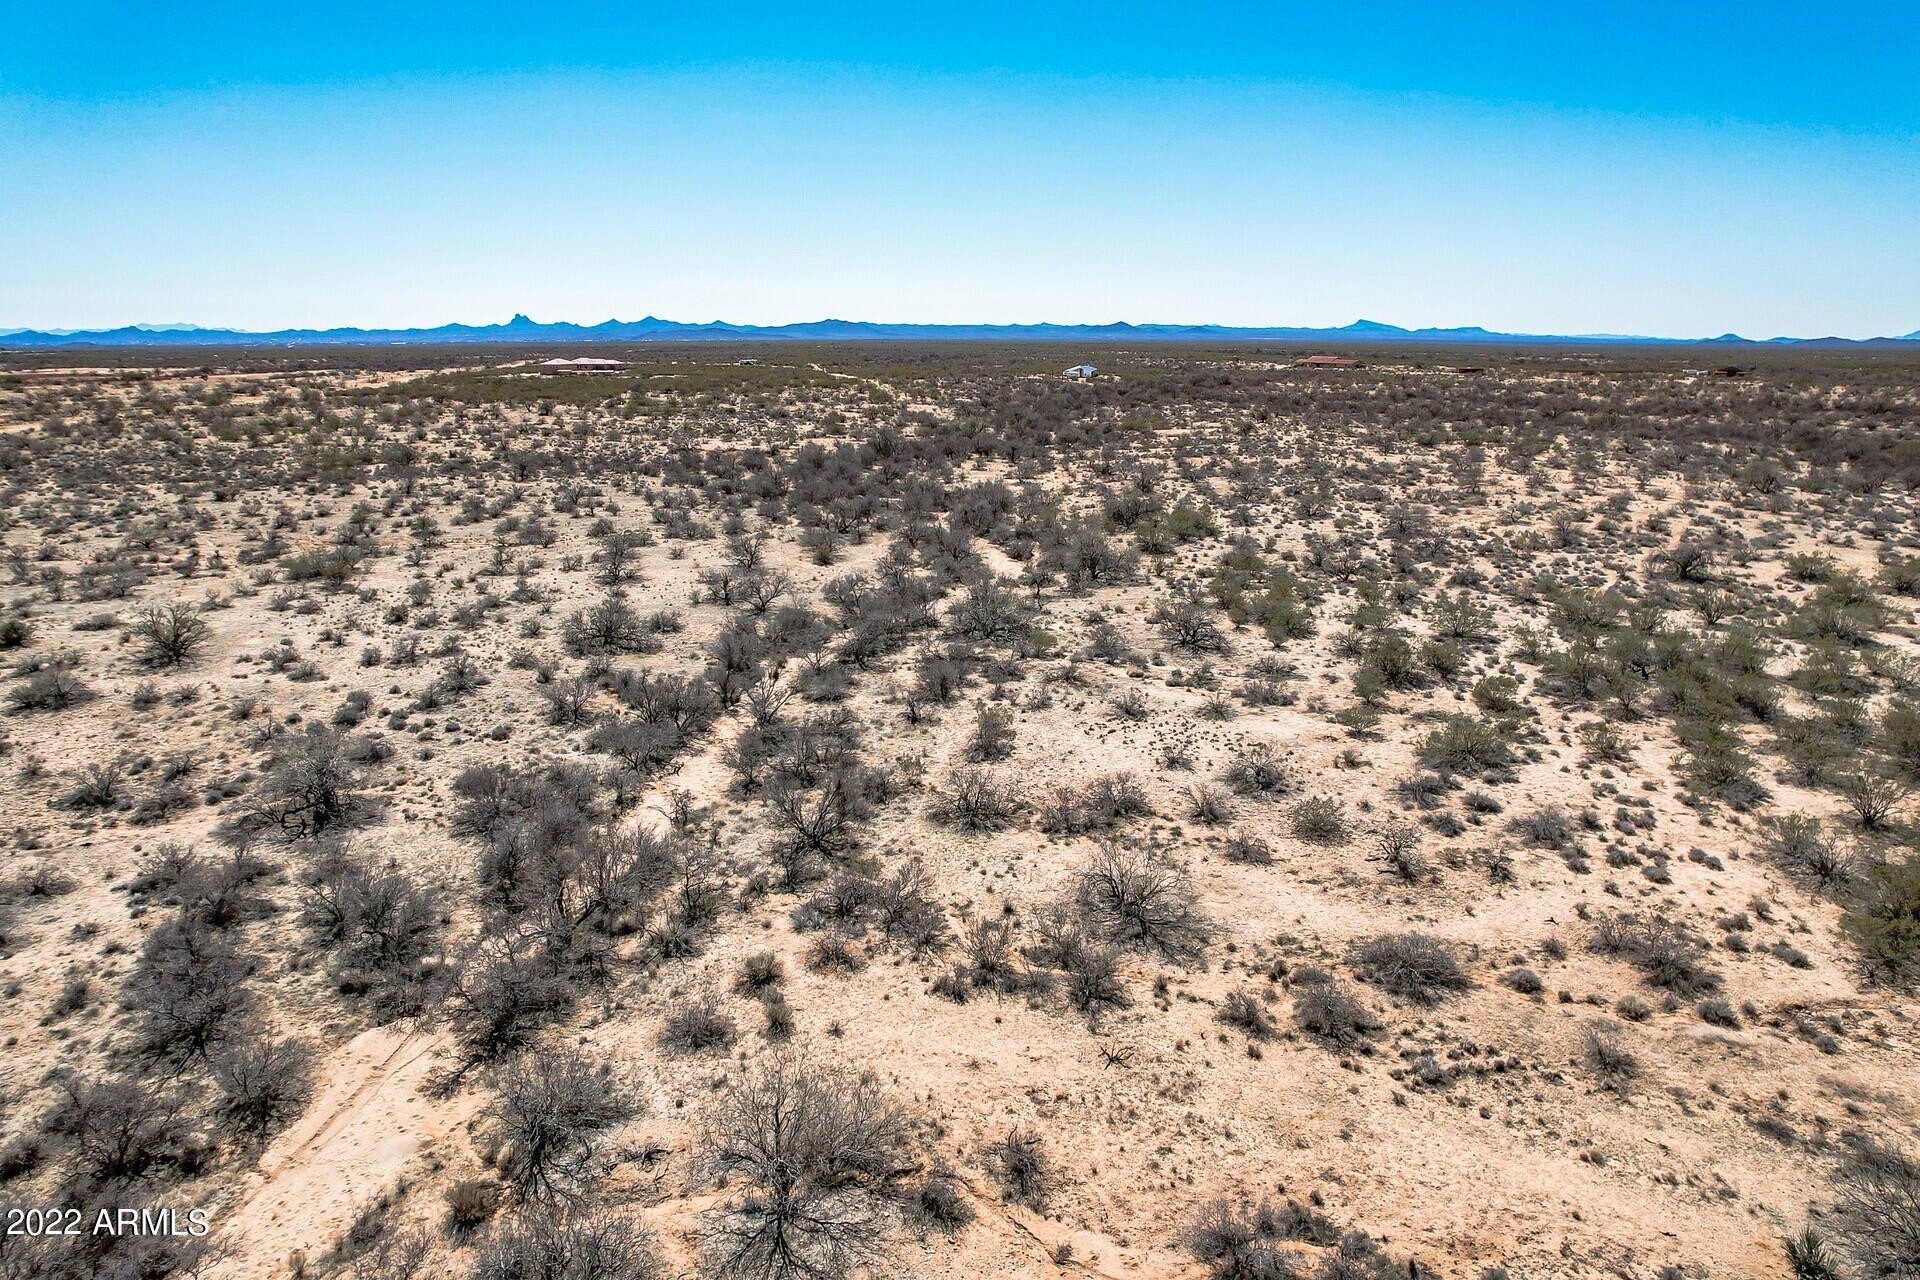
(870, 810)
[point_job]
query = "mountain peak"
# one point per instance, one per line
(522, 328)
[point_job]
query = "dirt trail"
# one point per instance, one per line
(369, 1118)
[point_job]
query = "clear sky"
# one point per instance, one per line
(1660, 168)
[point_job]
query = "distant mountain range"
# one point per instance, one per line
(520, 329)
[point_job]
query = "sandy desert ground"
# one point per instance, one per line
(896, 812)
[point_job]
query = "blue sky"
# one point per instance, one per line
(1626, 168)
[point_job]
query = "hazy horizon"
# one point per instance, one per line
(1740, 169)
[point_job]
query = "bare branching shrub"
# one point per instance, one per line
(1092, 967)
(1244, 1010)
(819, 822)
(1098, 804)
(938, 1199)
(1873, 797)
(1608, 1056)
(1413, 966)
(264, 1079)
(1134, 898)
(1325, 1007)
(549, 1109)
(307, 791)
(1666, 953)
(1189, 625)
(1879, 1209)
(988, 944)
(1244, 1243)
(1208, 805)
(1399, 846)
(170, 634)
(500, 993)
(1548, 828)
(1112, 798)
(1689, 561)
(906, 910)
(1247, 850)
(818, 1149)
(118, 1129)
(189, 989)
(610, 626)
(1805, 846)
(1258, 770)
(41, 881)
(580, 1245)
(976, 800)
(101, 785)
(379, 926)
(836, 951)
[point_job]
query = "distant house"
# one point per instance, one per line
(1328, 362)
(1726, 371)
(583, 364)
(1081, 373)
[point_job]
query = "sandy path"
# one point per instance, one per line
(369, 1118)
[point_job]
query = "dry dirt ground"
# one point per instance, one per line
(1509, 869)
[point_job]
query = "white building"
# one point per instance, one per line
(1081, 373)
(584, 362)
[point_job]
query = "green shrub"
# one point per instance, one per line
(331, 567)
(1885, 922)
(1321, 819)
(1466, 745)
(1900, 735)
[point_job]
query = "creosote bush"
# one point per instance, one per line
(1885, 919)
(1319, 819)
